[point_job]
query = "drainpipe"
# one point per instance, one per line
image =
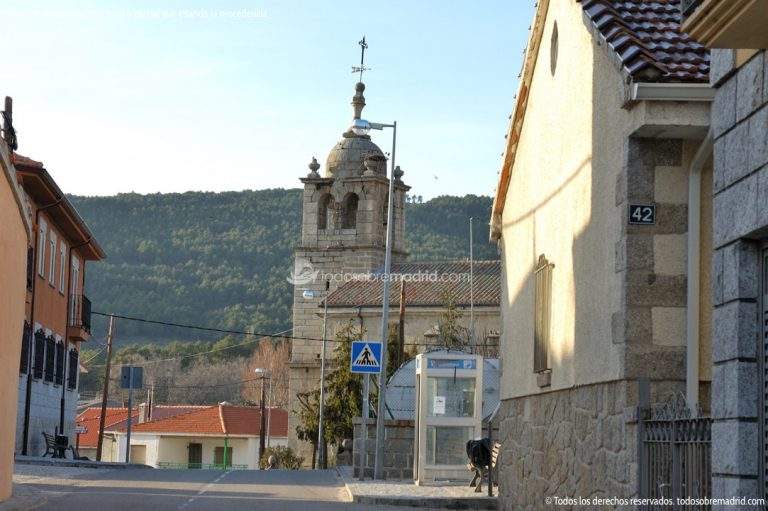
(28, 393)
(694, 271)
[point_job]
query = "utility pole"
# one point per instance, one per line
(321, 458)
(472, 285)
(401, 325)
(110, 333)
(130, 415)
(263, 427)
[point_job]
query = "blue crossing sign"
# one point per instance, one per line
(366, 357)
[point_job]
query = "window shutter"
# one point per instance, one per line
(543, 312)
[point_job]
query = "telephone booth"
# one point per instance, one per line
(449, 407)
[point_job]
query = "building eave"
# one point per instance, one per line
(517, 117)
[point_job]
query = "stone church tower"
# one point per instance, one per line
(343, 231)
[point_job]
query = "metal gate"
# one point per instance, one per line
(676, 454)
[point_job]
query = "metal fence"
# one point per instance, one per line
(676, 454)
(201, 466)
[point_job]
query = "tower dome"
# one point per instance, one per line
(347, 158)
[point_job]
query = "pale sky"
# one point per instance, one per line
(232, 95)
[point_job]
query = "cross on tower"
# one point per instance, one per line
(361, 67)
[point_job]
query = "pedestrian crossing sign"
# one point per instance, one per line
(366, 357)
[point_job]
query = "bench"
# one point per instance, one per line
(55, 445)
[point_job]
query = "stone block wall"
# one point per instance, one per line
(652, 260)
(398, 448)
(568, 443)
(44, 414)
(740, 129)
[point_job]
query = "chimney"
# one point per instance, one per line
(9, 134)
(143, 408)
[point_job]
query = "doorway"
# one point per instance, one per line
(195, 456)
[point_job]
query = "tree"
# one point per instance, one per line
(274, 356)
(343, 396)
(449, 332)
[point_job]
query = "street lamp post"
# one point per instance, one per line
(262, 428)
(361, 127)
(321, 455)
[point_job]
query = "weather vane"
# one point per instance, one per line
(361, 68)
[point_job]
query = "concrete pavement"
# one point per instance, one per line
(81, 489)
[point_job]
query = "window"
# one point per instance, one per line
(62, 266)
(446, 445)
(73, 370)
(52, 257)
(30, 267)
(26, 344)
(50, 358)
(41, 238)
(543, 305)
(219, 458)
(322, 211)
(39, 358)
(59, 376)
(457, 396)
(349, 213)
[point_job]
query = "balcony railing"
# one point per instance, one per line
(80, 312)
(203, 466)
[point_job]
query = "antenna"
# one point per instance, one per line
(361, 67)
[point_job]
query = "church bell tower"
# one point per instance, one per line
(343, 231)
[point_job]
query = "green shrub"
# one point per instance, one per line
(286, 459)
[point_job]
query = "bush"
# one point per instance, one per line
(286, 459)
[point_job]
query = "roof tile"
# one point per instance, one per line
(646, 36)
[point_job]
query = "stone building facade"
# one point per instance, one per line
(344, 225)
(595, 301)
(740, 274)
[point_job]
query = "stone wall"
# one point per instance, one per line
(568, 443)
(44, 413)
(740, 129)
(398, 448)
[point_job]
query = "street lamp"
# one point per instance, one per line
(362, 127)
(264, 376)
(309, 294)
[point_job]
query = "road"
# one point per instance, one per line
(180, 490)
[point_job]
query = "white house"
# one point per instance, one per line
(198, 437)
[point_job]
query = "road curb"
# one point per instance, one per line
(480, 503)
(55, 462)
(428, 502)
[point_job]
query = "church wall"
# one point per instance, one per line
(418, 321)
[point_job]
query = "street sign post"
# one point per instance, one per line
(130, 378)
(366, 357)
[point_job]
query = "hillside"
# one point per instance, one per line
(221, 259)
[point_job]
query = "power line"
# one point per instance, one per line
(260, 336)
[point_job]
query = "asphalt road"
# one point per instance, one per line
(186, 490)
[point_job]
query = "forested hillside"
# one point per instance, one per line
(221, 259)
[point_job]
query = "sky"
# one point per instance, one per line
(232, 95)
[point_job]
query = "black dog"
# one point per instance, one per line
(479, 454)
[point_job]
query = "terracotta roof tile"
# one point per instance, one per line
(646, 37)
(217, 420)
(442, 277)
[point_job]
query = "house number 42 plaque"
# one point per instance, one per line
(642, 214)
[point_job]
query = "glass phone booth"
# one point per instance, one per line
(449, 406)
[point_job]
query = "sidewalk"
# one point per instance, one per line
(404, 493)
